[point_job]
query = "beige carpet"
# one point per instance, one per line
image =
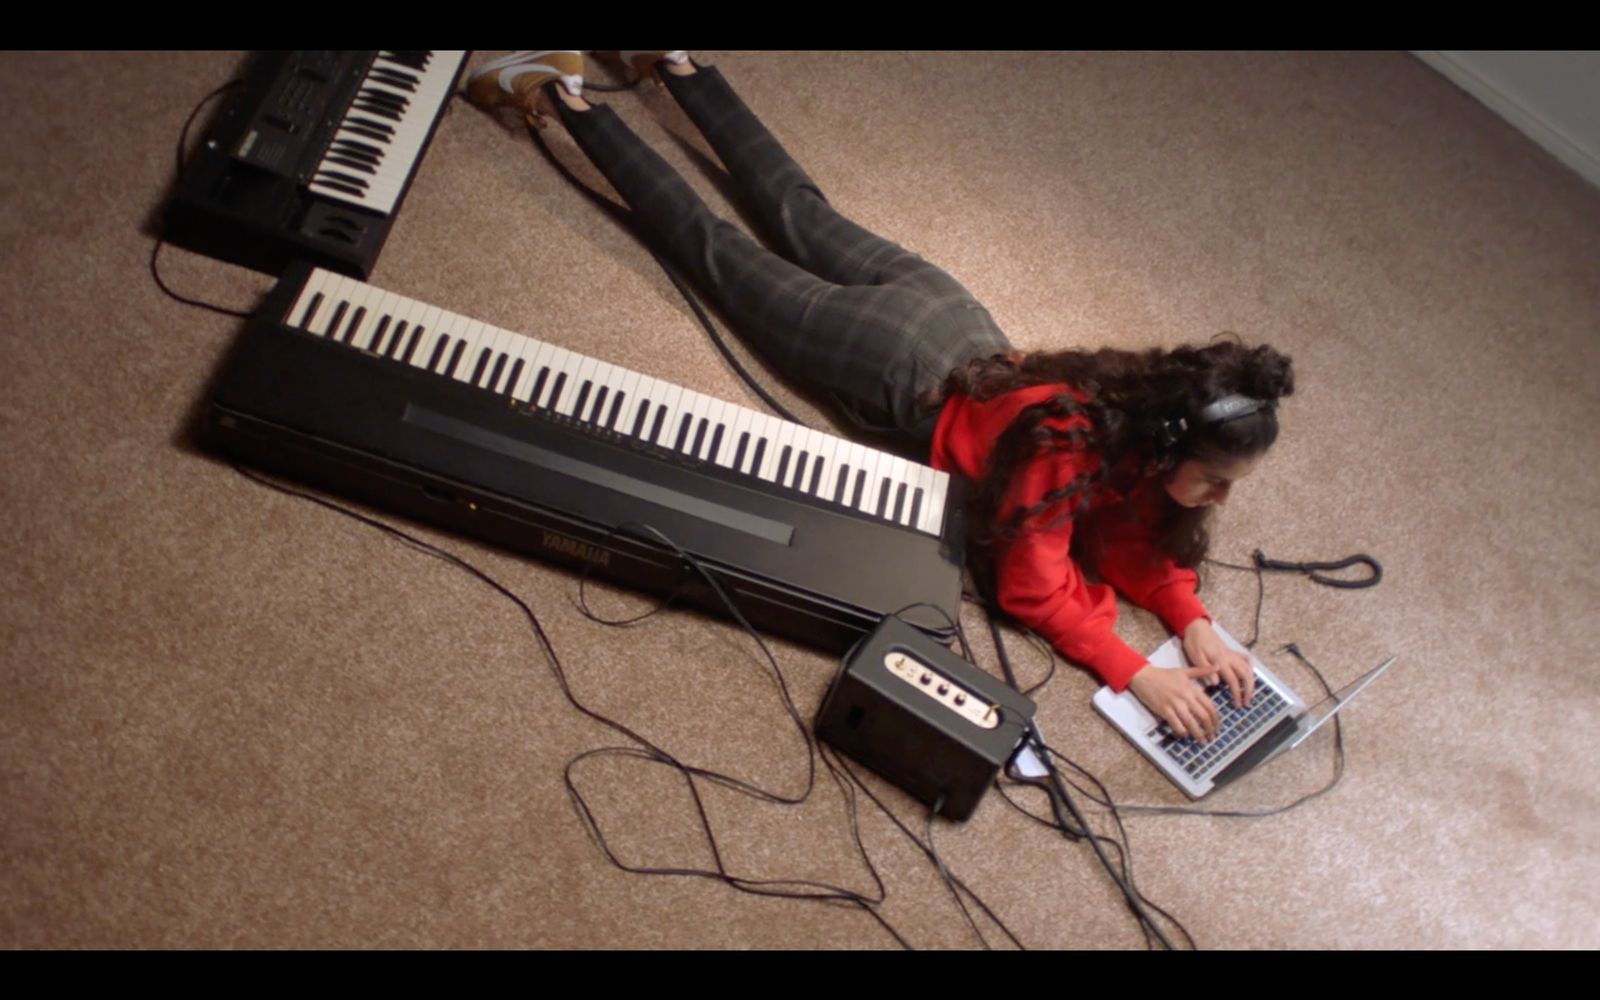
(234, 719)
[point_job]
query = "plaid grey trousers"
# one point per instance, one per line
(837, 308)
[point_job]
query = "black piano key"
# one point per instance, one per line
(499, 369)
(346, 161)
(478, 369)
(738, 451)
(538, 386)
(583, 397)
(839, 484)
(899, 503)
(339, 185)
(337, 177)
(816, 477)
(375, 345)
(699, 437)
(377, 95)
(360, 157)
(358, 150)
(385, 132)
(683, 431)
(783, 464)
(716, 443)
(516, 373)
(616, 411)
(916, 506)
(338, 315)
(411, 348)
(311, 311)
(800, 471)
(374, 108)
(415, 58)
(655, 429)
(599, 405)
(455, 358)
(861, 487)
(883, 497)
(639, 418)
(394, 78)
(369, 132)
(761, 452)
(354, 324)
(438, 352)
(555, 391)
(399, 77)
(397, 340)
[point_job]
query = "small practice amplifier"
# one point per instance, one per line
(923, 717)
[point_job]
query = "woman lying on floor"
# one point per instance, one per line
(1108, 460)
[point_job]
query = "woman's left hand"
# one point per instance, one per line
(1205, 649)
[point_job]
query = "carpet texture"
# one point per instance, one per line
(235, 719)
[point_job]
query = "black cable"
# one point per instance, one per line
(925, 848)
(1261, 595)
(944, 873)
(1061, 800)
(626, 218)
(1311, 569)
(155, 251)
(651, 753)
(1124, 851)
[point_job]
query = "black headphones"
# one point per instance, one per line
(1229, 408)
(1234, 407)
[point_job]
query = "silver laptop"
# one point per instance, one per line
(1276, 720)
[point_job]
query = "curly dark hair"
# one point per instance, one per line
(1143, 411)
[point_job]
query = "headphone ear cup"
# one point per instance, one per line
(1170, 432)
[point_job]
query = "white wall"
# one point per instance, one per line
(1552, 97)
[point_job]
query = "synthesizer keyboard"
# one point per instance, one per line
(516, 441)
(311, 157)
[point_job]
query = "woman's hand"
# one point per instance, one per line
(1178, 699)
(1206, 651)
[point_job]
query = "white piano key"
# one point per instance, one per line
(432, 333)
(695, 406)
(468, 332)
(605, 376)
(740, 427)
(538, 363)
(868, 504)
(523, 351)
(817, 443)
(629, 387)
(495, 341)
(711, 447)
(783, 438)
(933, 504)
(498, 343)
(671, 396)
(405, 312)
(382, 317)
(899, 475)
(317, 280)
(922, 479)
(581, 373)
(559, 361)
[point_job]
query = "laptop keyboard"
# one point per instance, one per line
(1235, 725)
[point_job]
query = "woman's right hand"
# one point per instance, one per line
(1178, 699)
